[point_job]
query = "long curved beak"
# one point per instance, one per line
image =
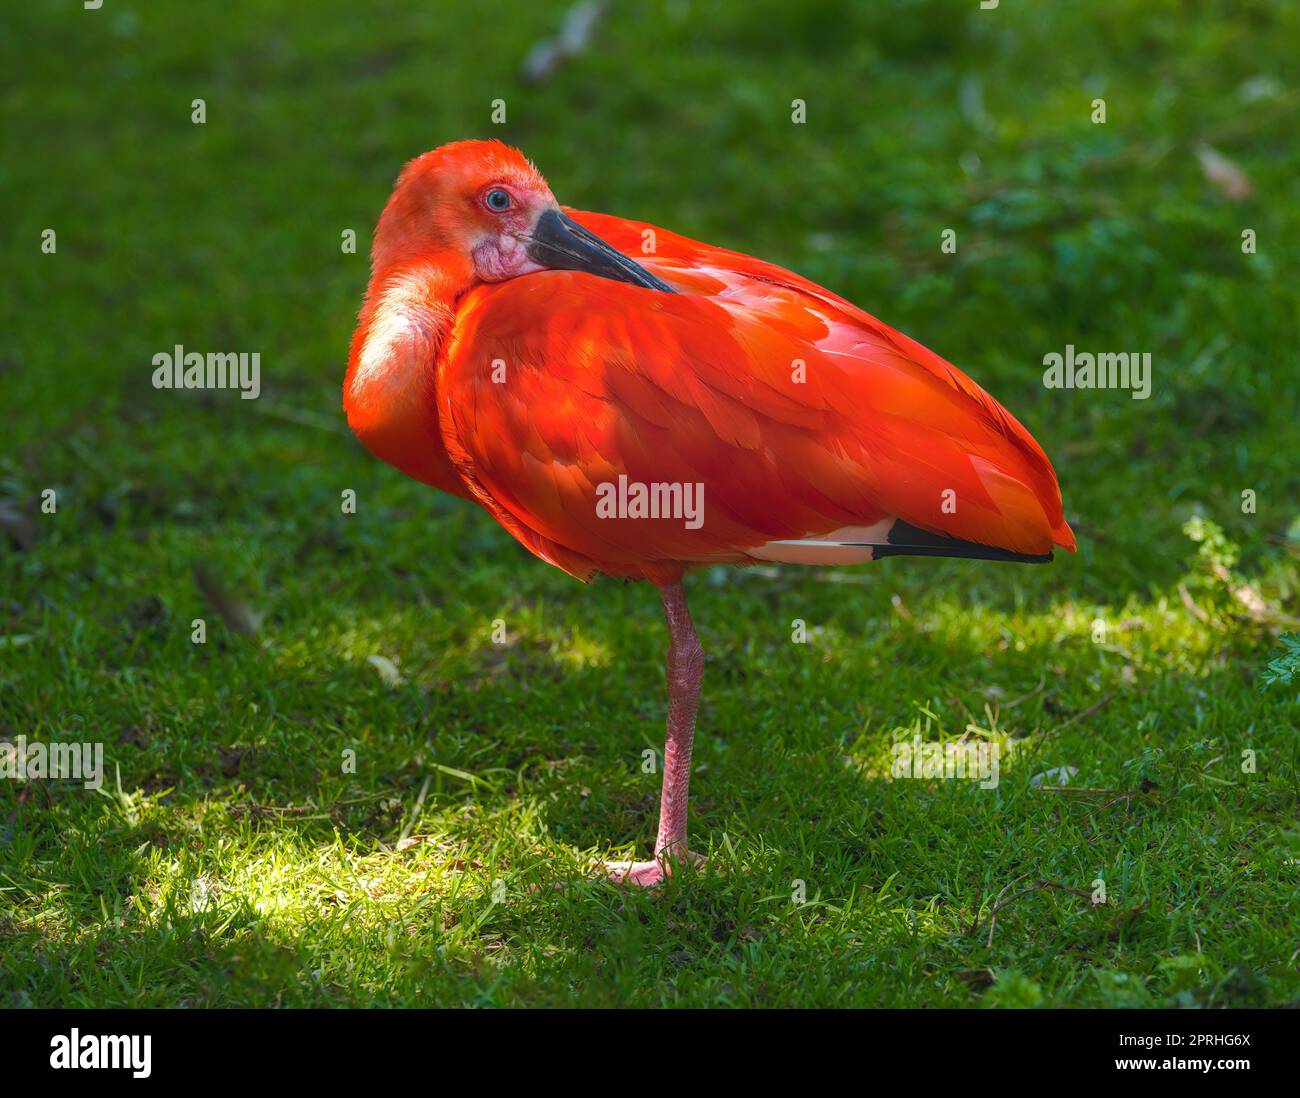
(560, 243)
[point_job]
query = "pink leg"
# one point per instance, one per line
(685, 666)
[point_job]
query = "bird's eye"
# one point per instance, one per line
(498, 200)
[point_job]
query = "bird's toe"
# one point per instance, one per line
(648, 874)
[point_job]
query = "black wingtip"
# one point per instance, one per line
(906, 540)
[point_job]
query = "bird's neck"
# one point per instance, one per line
(389, 393)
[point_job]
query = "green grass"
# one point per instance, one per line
(231, 859)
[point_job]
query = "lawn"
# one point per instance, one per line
(369, 801)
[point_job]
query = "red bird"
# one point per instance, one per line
(627, 401)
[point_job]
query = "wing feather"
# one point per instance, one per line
(796, 412)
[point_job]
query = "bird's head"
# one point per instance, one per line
(483, 208)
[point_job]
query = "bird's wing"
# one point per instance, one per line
(787, 412)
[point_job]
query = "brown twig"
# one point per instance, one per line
(1084, 715)
(1193, 609)
(237, 616)
(1010, 884)
(1024, 698)
(269, 809)
(1037, 886)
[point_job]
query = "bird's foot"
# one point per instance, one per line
(649, 874)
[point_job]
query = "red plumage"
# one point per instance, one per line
(799, 413)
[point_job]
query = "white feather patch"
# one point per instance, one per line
(842, 546)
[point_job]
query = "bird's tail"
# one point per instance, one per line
(895, 538)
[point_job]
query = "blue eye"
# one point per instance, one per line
(498, 200)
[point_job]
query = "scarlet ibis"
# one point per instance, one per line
(627, 401)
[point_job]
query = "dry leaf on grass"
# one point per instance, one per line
(238, 616)
(1225, 176)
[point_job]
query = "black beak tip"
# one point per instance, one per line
(560, 243)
